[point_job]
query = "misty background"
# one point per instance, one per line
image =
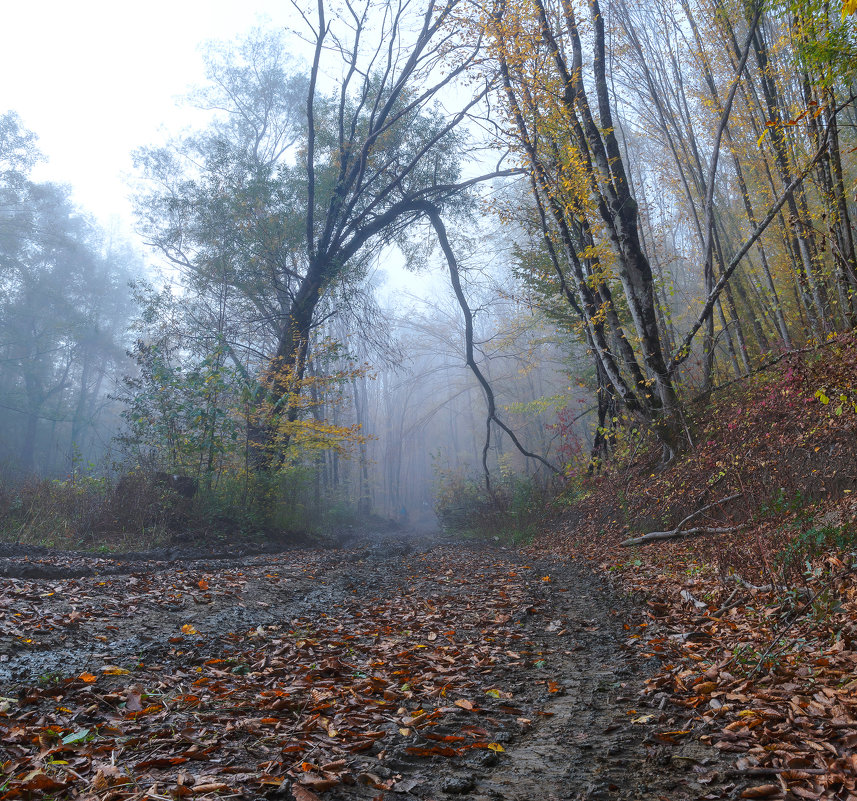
(326, 268)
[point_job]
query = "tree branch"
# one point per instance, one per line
(434, 216)
(655, 536)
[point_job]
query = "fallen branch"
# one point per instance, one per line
(655, 536)
(729, 604)
(679, 530)
(757, 587)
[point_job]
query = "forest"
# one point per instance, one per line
(471, 412)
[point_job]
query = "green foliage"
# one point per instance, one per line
(811, 542)
(824, 40)
(783, 503)
(807, 539)
(193, 409)
(140, 511)
(511, 512)
(181, 410)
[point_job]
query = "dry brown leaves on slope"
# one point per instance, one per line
(769, 677)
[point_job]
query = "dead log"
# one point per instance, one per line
(655, 536)
(680, 531)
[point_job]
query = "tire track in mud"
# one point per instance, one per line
(588, 747)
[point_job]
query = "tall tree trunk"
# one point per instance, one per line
(797, 204)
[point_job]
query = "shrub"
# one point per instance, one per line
(511, 511)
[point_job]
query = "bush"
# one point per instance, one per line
(511, 511)
(151, 509)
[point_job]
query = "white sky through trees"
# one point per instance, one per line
(95, 79)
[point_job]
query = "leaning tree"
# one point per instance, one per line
(304, 178)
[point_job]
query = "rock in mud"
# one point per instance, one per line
(456, 785)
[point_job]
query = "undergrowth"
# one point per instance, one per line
(151, 510)
(512, 510)
(773, 462)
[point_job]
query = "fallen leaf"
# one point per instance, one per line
(114, 670)
(761, 791)
(211, 787)
(108, 776)
(75, 737)
(133, 701)
(301, 793)
(41, 782)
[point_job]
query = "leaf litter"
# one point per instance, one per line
(378, 672)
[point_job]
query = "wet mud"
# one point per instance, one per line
(575, 720)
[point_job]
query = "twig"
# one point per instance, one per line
(798, 616)
(730, 602)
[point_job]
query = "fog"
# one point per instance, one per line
(380, 260)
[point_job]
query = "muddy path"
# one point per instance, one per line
(401, 666)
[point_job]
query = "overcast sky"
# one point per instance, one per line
(97, 78)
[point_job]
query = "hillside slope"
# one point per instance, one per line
(756, 625)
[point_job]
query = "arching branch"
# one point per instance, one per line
(433, 214)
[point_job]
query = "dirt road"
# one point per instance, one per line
(400, 667)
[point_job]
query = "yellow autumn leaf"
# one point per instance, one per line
(493, 693)
(113, 670)
(496, 747)
(189, 629)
